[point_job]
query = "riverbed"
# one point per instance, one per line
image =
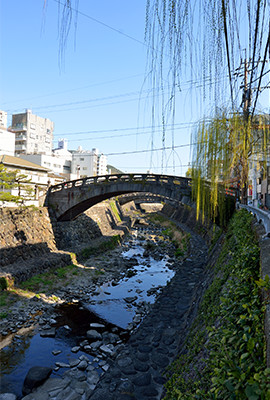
(113, 310)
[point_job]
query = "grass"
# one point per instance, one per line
(41, 283)
(224, 355)
(103, 246)
(46, 280)
(173, 233)
(115, 211)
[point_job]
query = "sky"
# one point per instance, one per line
(98, 93)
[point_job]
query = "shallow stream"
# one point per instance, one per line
(119, 306)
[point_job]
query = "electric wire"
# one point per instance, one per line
(101, 23)
(180, 125)
(260, 79)
(149, 150)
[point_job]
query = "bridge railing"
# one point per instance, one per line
(103, 179)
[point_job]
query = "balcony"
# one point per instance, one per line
(19, 128)
(20, 137)
(20, 147)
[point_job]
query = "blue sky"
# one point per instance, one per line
(99, 97)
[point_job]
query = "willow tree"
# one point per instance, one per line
(204, 39)
(209, 43)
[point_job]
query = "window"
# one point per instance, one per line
(32, 126)
(84, 168)
(81, 159)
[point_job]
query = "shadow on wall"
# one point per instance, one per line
(10, 255)
(70, 235)
(21, 262)
(101, 221)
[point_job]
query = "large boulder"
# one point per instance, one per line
(34, 378)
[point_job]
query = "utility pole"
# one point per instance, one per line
(246, 99)
(244, 70)
(247, 91)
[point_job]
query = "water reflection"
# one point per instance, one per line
(110, 302)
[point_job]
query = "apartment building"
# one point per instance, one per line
(33, 134)
(88, 163)
(59, 161)
(102, 165)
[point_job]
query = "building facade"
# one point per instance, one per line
(7, 139)
(88, 163)
(34, 184)
(33, 134)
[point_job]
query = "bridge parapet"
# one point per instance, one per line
(103, 179)
(69, 199)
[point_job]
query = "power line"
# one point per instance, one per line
(151, 150)
(147, 167)
(198, 84)
(74, 89)
(180, 125)
(261, 74)
(102, 23)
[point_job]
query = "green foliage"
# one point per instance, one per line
(173, 233)
(3, 283)
(225, 146)
(179, 252)
(3, 299)
(14, 180)
(110, 244)
(3, 315)
(46, 279)
(227, 343)
(115, 211)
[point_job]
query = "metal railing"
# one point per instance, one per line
(261, 216)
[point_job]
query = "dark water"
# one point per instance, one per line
(31, 349)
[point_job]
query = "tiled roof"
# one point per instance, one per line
(20, 163)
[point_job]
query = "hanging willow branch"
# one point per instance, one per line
(213, 34)
(226, 147)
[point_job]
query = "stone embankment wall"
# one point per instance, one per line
(20, 226)
(30, 242)
(187, 215)
(27, 243)
(98, 223)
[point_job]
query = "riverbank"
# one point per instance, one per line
(136, 370)
(113, 268)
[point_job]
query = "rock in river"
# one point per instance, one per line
(35, 377)
(92, 334)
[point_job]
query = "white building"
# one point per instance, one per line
(37, 176)
(33, 134)
(7, 139)
(102, 165)
(88, 163)
(59, 162)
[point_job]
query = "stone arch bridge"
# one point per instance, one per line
(69, 199)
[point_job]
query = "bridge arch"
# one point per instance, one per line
(69, 199)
